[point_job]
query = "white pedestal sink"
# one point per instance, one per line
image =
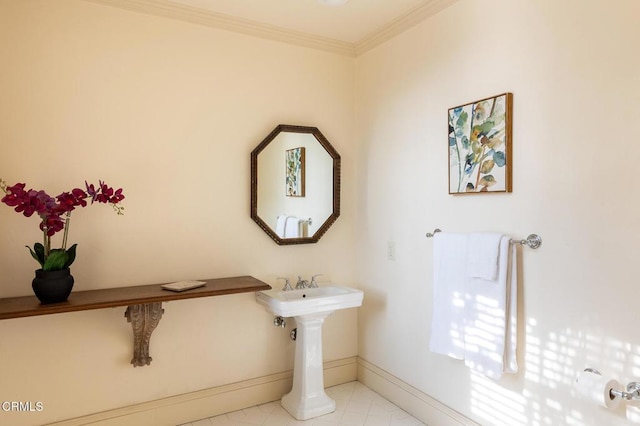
(309, 307)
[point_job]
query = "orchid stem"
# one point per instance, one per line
(66, 231)
(47, 243)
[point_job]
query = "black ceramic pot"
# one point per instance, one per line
(52, 286)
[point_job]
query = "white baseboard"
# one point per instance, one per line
(211, 402)
(418, 404)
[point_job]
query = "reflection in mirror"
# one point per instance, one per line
(295, 184)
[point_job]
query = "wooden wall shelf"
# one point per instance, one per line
(144, 305)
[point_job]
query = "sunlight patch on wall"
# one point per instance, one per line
(491, 401)
(550, 369)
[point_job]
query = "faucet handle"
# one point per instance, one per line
(314, 283)
(287, 285)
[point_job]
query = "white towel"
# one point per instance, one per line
(474, 319)
(280, 224)
(449, 278)
(511, 340)
(291, 229)
(483, 255)
(491, 318)
(304, 228)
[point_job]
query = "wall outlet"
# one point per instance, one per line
(391, 250)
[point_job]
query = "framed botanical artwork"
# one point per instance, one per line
(480, 146)
(295, 172)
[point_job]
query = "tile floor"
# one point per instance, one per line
(356, 405)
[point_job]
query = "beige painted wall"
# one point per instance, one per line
(169, 111)
(573, 70)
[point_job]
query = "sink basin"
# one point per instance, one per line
(307, 301)
(309, 307)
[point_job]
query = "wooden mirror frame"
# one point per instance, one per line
(336, 184)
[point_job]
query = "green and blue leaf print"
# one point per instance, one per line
(477, 146)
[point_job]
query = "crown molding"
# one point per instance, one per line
(194, 15)
(401, 24)
(168, 9)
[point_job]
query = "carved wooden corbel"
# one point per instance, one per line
(144, 319)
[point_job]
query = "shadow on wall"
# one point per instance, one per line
(543, 392)
(551, 366)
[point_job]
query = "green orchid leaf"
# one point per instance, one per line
(56, 260)
(39, 249)
(36, 256)
(72, 256)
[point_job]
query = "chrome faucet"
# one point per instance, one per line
(301, 283)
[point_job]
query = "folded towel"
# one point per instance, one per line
(291, 229)
(280, 223)
(483, 255)
(449, 278)
(491, 318)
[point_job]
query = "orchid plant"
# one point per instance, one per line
(55, 216)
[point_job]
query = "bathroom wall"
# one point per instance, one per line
(574, 76)
(170, 112)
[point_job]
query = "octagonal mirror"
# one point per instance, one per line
(295, 184)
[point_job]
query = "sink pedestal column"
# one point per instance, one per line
(307, 398)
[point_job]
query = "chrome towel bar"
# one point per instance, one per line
(533, 241)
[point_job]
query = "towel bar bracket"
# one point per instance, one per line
(534, 241)
(431, 234)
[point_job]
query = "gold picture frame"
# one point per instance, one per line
(480, 146)
(295, 170)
